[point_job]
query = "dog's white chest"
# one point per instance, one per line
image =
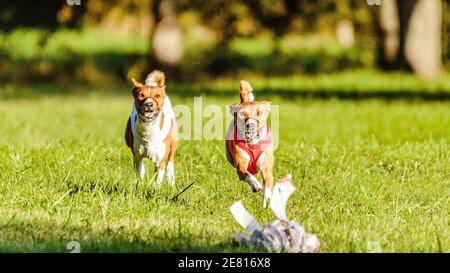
(149, 138)
(154, 151)
(149, 141)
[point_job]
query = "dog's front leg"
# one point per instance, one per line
(244, 175)
(171, 173)
(266, 165)
(139, 165)
(253, 182)
(161, 172)
(170, 166)
(268, 184)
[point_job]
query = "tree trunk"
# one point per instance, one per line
(410, 36)
(389, 42)
(420, 24)
(167, 40)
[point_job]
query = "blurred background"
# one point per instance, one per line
(99, 42)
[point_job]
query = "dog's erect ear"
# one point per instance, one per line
(156, 78)
(246, 92)
(136, 83)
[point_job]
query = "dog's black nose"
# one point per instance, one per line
(148, 104)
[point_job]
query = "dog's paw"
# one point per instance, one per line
(267, 196)
(160, 177)
(171, 174)
(267, 193)
(140, 169)
(258, 188)
(254, 183)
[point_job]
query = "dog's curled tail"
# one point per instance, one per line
(246, 92)
(155, 78)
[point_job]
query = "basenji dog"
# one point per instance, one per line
(249, 143)
(151, 128)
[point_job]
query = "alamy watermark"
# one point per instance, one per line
(373, 2)
(74, 247)
(374, 247)
(210, 122)
(73, 2)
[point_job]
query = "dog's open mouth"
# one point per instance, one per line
(251, 129)
(148, 115)
(251, 133)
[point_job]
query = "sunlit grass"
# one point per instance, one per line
(365, 170)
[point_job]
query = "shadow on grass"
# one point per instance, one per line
(326, 94)
(319, 93)
(12, 92)
(21, 235)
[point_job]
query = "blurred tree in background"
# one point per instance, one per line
(47, 15)
(188, 38)
(167, 38)
(44, 14)
(409, 36)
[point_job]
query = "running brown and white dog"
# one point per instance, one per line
(151, 128)
(249, 143)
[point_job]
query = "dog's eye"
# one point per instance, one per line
(141, 96)
(157, 96)
(259, 113)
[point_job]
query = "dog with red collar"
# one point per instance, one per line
(151, 128)
(249, 143)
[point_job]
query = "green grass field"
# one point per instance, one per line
(369, 154)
